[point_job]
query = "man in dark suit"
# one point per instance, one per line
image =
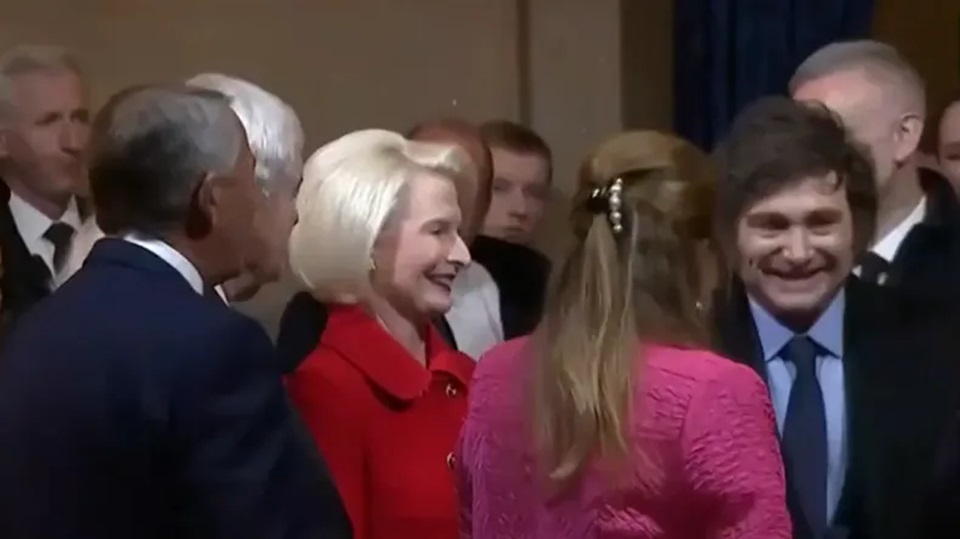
(865, 383)
(130, 404)
(43, 133)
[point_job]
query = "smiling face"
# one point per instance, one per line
(795, 248)
(420, 252)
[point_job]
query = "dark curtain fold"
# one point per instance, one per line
(729, 52)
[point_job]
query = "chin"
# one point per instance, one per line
(799, 305)
(437, 306)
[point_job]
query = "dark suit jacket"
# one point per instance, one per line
(26, 279)
(927, 264)
(902, 378)
(131, 406)
(521, 274)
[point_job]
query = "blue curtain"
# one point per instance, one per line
(729, 52)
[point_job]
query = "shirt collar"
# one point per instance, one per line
(363, 341)
(171, 256)
(888, 245)
(827, 331)
(32, 224)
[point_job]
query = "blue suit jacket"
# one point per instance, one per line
(131, 406)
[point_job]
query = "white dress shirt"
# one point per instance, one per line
(171, 256)
(474, 317)
(888, 245)
(32, 224)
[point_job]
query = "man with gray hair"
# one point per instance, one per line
(43, 135)
(276, 139)
(881, 99)
(130, 404)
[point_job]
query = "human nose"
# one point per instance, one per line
(798, 247)
(73, 138)
(459, 254)
(517, 204)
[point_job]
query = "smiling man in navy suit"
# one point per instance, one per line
(130, 404)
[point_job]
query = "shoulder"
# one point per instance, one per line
(697, 366)
(224, 343)
(502, 358)
(679, 379)
(902, 311)
(326, 374)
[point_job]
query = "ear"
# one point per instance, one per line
(204, 208)
(909, 131)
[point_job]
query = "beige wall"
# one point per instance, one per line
(348, 64)
(928, 33)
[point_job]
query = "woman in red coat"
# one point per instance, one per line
(382, 394)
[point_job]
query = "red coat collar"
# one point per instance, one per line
(362, 341)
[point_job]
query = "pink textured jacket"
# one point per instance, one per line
(706, 421)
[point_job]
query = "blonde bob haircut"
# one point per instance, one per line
(351, 188)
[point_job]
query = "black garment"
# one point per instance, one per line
(301, 325)
(927, 264)
(26, 278)
(874, 269)
(521, 274)
(902, 376)
(154, 413)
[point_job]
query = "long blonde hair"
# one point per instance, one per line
(616, 289)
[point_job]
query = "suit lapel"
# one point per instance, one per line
(26, 278)
(736, 334)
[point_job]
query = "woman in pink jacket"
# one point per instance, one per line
(614, 419)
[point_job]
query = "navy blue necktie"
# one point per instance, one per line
(805, 433)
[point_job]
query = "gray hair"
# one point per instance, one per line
(25, 59)
(273, 129)
(879, 60)
(151, 151)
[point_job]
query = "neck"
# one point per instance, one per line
(242, 287)
(211, 268)
(904, 193)
(52, 207)
(407, 331)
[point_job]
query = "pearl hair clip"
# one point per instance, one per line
(609, 200)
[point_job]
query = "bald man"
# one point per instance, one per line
(457, 131)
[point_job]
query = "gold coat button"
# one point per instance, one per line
(451, 460)
(452, 391)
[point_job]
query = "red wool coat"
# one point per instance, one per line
(386, 425)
